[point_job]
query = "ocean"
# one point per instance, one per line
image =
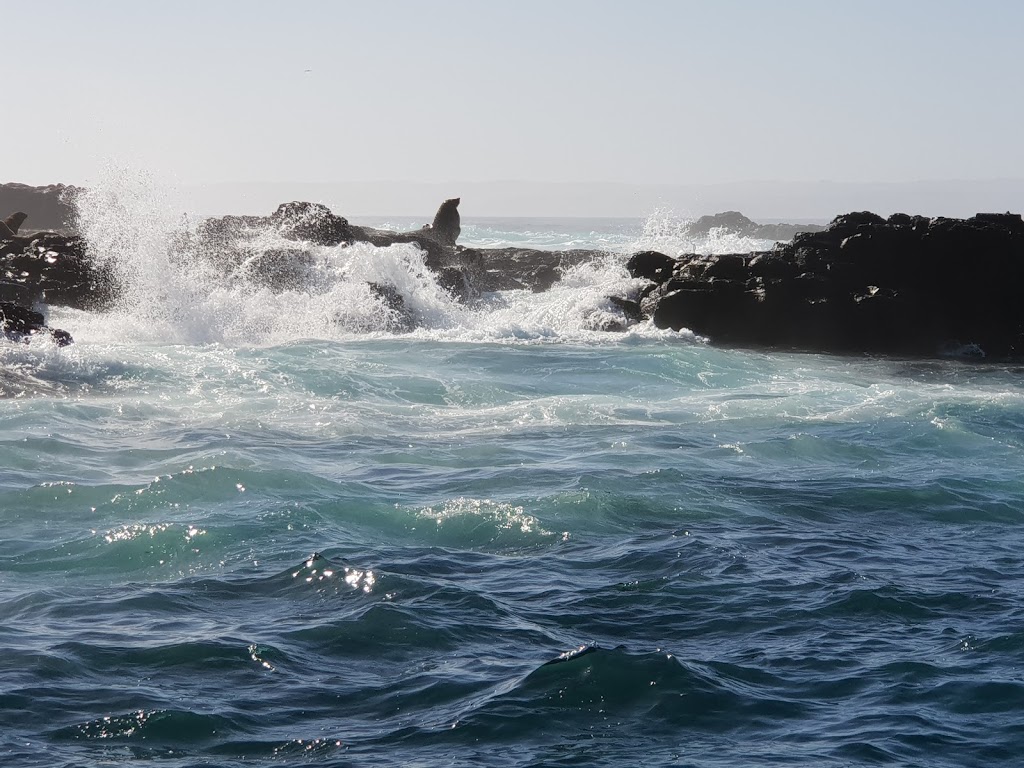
(246, 528)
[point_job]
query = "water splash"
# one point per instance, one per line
(176, 287)
(672, 234)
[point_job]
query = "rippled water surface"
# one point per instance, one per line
(449, 553)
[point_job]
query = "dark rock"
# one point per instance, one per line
(312, 223)
(436, 255)
(281, 269)
(399, 318)
(629, 308)
(456, 281)
(850, 223)
(229, 242)
(18, 323)
(651, 265)
(509, 269)
(62, 338)
(54, 269)
(727, 266)
(772, 266)
(1012, 221)
(902, 285)
(233, 244)
(900, 220)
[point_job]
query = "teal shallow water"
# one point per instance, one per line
(766, 559)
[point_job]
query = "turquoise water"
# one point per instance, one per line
(247, 529)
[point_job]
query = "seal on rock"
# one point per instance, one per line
(446, 227)
(14, 222)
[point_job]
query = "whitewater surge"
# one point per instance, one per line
(169, 294)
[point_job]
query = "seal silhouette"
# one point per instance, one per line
(447, 224)
(14, 222)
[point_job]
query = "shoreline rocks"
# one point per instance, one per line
(906, 285)
(52, 268)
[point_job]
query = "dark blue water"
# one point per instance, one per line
(430, 551)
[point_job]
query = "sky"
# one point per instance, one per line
(633, 100)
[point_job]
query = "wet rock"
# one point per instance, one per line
(651, 265)
(312, 223)
(281, 269)
(629, 308)
(509, 269)
(19, 323)
(52, 268)
(399, 317)
(902, 285)
(457, 282)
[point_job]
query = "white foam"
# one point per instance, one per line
(171, 295)
(667, 232)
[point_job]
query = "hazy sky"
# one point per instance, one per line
(557, 91)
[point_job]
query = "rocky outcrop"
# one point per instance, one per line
(399, 318)
(509, 269)
(48, 208)
(311, 223)
(904, 285)
(19, 323)
(736, 223)
(232, 242)
(39, 268)
(52, 268)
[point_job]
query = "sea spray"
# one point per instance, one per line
(666, 231)
(174, 288)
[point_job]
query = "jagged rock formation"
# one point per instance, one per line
(231, 243)
(51, 268)
(903, 285)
